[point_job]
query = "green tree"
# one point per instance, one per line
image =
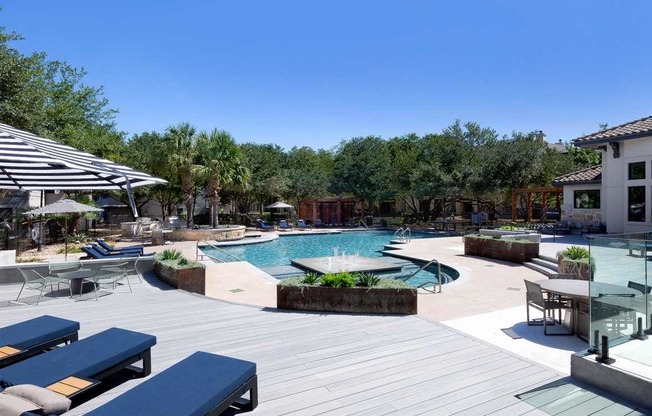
(268, 178)
(307, 172)
(361, 167)
(221, 164)
(183, 162)
(149, 153)
(49, 98)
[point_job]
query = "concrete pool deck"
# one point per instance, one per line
(488, 297)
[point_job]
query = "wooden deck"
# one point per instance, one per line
(334, 364)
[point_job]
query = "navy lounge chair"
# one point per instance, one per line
(130, 253)
(264, 225)
(284, 226)
(94, 252)
(302, 225)
(110, 249)
(32, 337)
(94, 358)
(202, 384)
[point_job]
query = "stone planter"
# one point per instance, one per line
(501, 249)
(580, 270)
(350, 299)
(191, 279)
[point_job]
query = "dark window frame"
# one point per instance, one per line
(636, 209)
(591, 200)
(630, 170)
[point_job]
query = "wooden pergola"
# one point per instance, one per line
(545, 191)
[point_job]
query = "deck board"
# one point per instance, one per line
(324, 364)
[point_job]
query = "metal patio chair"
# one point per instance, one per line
(536, 299)
(36, 281)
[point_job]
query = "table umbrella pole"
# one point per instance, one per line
(65, 237)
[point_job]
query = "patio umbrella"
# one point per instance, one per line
(29, 162)
(279, 205)
(61, 207)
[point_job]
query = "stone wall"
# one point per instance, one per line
(229, 233)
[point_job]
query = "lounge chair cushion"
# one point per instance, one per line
(48, 400)
(15, 406)
(83, 358)
(191, 387)
(36, 331)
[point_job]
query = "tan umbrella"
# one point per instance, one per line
(61, 207)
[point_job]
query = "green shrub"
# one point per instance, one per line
(77, 238)
(175, 259)
(366, 279)
(574, 253)
(338, 280)
(169, 255)
(310, 279)
(393, 284)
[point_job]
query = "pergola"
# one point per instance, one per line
(545, 191)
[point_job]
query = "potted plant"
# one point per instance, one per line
(346, 292)
(177, 271)
(577, 261)
(495, 247)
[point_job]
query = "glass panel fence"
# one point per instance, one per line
(618, 292)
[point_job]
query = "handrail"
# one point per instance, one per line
(401, 234)
(214, 247)
(364, 225)
(430, 283)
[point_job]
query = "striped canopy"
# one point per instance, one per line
(33, 163)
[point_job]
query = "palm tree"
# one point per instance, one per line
(222, 164)
(182, 159)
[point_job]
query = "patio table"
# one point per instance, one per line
(616, 296)
(76, 277)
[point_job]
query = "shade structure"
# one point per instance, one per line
(279, 204)
(64, 206)
(34, 163)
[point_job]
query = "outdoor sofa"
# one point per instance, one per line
(84, 363)
(28, 338)
(202, 384)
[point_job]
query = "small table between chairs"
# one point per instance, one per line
(578, 291)
(76, 278)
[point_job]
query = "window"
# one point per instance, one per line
(587, 199)
(636, 171)
(636, 203)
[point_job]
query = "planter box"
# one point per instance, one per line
(581, 271)
(191, 280)
(501, 249)
(350, 299)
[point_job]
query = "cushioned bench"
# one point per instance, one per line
(28, 338)
(95, 357)
(202, 384)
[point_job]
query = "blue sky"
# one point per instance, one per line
(315, 73)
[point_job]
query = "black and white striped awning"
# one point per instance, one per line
(33, 163)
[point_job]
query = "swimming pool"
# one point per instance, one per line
(278, 252)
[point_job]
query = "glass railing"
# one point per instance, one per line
(618, 289)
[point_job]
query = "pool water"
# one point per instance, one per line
(364, 243)
(279, 251)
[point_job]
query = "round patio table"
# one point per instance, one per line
(580, 288)
(578, 291)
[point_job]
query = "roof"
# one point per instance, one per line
(587, 175)
(632, 130)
